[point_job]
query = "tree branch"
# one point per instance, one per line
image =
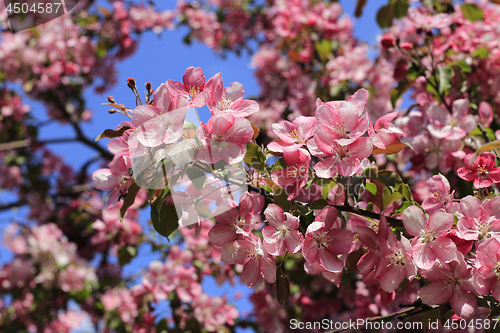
(27, 143)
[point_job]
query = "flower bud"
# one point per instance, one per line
(387, 41)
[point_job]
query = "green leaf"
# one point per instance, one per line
(472, 12)
(162, 326)
(481, 53)
(282, 286)
(254, 156)
(385, 16)
(319, 204)
(324, 49)
(111, 134)
(281, 199)
(445, 75)
(280, 164)
(477, 132)
(400, 8)
(371, 187)
(462, 64)
(164, 218)
(197, 177)
(129, 199)
(360, 4)
(389, 197)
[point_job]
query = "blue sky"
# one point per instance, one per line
(159, 58)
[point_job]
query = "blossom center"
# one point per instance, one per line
(397, 259)
(427, 235)
(484, 229)
(193, 91)
(496, 269)
(482, 170)
(295, 134)
(322, 239)
(283, 231)
(225, 103)
(451, 281)
(340, 129)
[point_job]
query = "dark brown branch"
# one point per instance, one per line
(349, 209)
(28, 143)
(11, 205)
(72, 190)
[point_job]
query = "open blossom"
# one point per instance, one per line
(455, 126)
(487, 277)
(232, 221)
(437, 152)
(342, 122)
(397, 263)
(441, 196)
(293, 135)
(230, 99)
(429, 21)
(192, 88)
(384, 132)
(158, 279)
(450, 282)
(213, 312)
(162, 122)
(482, 171)
(342, 160)
(281, 235)
(480, 220)
(295, 177)
(121, 299)
(429, 243)
(116, 178)
(224, 138)
(325, 240)
(251, 253)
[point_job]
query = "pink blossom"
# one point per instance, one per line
(450, 282)
(441, 196)
(186, 283)
(162, 122)
(232, 221)
(294, 178)
(121, 299)
(427, 21)
(251, 253)
(437, 152)
(325, 240)
(192, 88)
(455, 126)
(485, 112)
(281, 235)
(213, 312)
(342, 160)
(397, 263)
(117, 178)
(341, 122)
(230, 99)
(293, 135)
(480, 220)
(487, 277)
(384, 132)
(158, 280)
(429, 243)
(224, 138)
(482, 171)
